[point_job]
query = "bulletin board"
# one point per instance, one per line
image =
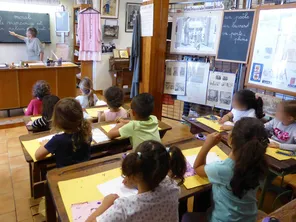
(272, 64)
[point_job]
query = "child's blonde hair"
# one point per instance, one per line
(68, 117)
(86, 87)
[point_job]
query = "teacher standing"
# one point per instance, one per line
(35, 50)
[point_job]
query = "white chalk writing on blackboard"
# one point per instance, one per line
(23, 17)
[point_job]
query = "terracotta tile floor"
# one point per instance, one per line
(14, 172)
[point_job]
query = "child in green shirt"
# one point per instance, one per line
(143, 125)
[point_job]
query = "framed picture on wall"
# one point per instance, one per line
(109, 9)
(132, 10)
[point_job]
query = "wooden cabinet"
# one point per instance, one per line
(121, 76)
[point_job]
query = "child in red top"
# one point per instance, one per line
(40, 89)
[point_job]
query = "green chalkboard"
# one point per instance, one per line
(18, 22)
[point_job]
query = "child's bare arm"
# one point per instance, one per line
(41, 153)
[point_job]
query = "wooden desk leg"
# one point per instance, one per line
(36, 175)
(31, 179)
(50, 209)
(266, 184)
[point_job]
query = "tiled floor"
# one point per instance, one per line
(14, 172)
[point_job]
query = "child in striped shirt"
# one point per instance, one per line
(48, 105)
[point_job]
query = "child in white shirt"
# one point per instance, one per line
(157, 199)
(88, 98)
(245, 104)
(283, 126)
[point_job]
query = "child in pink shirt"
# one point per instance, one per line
(40, 89)
(114, 97)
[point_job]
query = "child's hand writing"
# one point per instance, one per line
(212, 140)
(274, 145)
(109, 200)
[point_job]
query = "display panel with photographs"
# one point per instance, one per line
(220, 89)
(175, 78)
(132, 10)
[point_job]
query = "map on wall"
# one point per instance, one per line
(196, 33)
(273, 64)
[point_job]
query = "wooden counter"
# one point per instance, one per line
(16, 84)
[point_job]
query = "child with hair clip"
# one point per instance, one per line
(73, 144)
(114, 98)
(48, 104)
(40, 89)
(283, 127)
(88, 98)
(235, 181)
(143, 125)
(157, 200)
(245, 104)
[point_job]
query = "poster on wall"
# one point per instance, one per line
(196, 84)
(175, 77)
(273, 63)
(109, 9)
(196, 33)
(220, 89)
(132, 10)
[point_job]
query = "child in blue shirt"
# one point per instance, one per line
(73, 145)
(235, 180)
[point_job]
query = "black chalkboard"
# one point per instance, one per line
(18, 22)
(236, 36)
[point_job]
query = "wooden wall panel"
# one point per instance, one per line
(153, 55)
(9, 96)
(66, 82)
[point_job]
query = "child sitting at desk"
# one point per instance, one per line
(40, 89)
(73, 145)
(48, 104)
(157, 199)
(114, 98)
(245, 104)
(88, 98)
(236, 179)
(143, 125)
(283, 126)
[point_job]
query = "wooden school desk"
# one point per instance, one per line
(276, 167)
(39, 169)
(54, 200)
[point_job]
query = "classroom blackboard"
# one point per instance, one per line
(18, 22)
(236, 36)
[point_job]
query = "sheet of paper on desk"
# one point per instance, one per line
(211, 157)
(45, 138)
(32, 146)
(273, 153)
(116, 186)
(93, 112)
(33, 118)
(81, 211)
(30, 123)
(86, 116)
(99, 136)
(101, 103)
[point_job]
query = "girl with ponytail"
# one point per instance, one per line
(236, 179)
(154, 170)
(88, 98)
(72, 145)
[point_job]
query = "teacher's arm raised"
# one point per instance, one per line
(18, 36)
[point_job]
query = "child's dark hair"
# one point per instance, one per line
(143, 105)
(40, 89)
(248, 98)
(86, 87)
(68, 117)
(290, 107)
(48, 104)
(152, 162)
(249, 141)
(114, 97)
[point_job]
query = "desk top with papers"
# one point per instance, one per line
(100, 171)
(31, 142)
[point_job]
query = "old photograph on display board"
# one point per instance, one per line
(196, 82)
(273, 61)
(269, 103)
(109, 9)
(175, 77)
(220, 89)
(132, 10)
(196, 33)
